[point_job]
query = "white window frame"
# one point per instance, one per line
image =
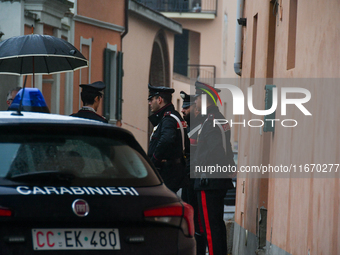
(87, 42)
(113, 83)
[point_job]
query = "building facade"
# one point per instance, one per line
(205, 49)
(148, 58)
(99, 28)
(39, 17)
(291, 44)
(95, 29)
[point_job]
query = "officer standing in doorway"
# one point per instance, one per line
(91, 95)
(169, 138)
(213, 148)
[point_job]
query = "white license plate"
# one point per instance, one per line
(75, 239)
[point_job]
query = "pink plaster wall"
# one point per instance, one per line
(106, 11)
(303, 213)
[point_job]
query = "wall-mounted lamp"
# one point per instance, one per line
(242, 21)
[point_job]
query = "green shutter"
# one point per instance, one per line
(120, 75)
(107, 68)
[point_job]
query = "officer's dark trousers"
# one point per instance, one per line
(189, 195)
(211, 210)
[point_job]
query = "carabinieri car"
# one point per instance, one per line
(77, 186)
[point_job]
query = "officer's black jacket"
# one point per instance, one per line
(210, 152)
(166, 145)
(194, 122)
(86, 114)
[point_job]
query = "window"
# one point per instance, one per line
(181, 53)
(110, 79)
(82, 156)
(85, 73)
(253, 54)
(187, 55)
(292, 34)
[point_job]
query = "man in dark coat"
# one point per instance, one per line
(192, 116)
(168, 139)
(213, 148)
(188, 110)
(91, 95)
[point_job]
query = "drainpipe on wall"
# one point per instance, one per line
(120, 71)
(126, 21)
(238, 39)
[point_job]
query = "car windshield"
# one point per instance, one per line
(82, 156)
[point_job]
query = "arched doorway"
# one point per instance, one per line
(159, 67)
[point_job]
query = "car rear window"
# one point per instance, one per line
(83, 156)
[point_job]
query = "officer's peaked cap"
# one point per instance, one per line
(156, 91)
(187, 99)
(95, 87)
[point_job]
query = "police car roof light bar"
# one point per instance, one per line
(18, 113)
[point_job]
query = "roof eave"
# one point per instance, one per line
(155, 17)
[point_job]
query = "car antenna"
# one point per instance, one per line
(22, 97)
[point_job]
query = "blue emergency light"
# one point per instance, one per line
(33, 101)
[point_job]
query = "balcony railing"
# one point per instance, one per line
(198, 6)
(196, 71)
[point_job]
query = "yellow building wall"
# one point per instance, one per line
(137, 50)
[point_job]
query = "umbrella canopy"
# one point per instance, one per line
(39, 54)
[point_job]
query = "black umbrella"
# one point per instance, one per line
(39, 54)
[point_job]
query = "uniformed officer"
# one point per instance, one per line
(188, 108)
(169, 138)
(213, 148)
(192, 116)
(91, 95)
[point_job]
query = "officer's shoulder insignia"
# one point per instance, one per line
(184, 125)
(211, 116)
(167, 113)
(226, 127)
